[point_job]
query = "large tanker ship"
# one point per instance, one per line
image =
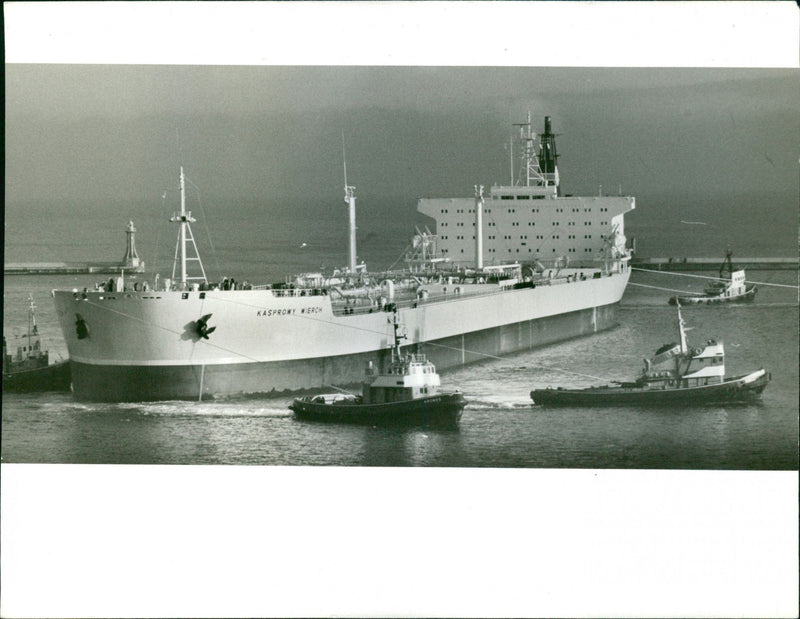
(558, 272)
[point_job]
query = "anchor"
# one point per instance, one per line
(80, 327)
(201, 327)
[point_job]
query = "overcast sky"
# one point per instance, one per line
(96, 132)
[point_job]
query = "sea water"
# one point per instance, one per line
(500, 427)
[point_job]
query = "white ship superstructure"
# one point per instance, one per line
(189, 338)
(529, 219)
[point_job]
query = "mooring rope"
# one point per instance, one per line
(708, 277)
(338, 389)
(538, 365)
(660, 288)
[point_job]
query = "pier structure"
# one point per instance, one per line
(712, 264)
(131, 263)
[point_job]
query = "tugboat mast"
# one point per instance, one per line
(682, 331)
(398, 336)
(32, 328)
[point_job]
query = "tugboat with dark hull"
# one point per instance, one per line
(731, 287)
(676, 374)
(29, 369)
(406, 392)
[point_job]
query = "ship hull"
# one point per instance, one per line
(443, 410)
(146, 346)
(120, 383)
(736, 389)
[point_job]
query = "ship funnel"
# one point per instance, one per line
(549, 156)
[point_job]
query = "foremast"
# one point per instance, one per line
(182, 257)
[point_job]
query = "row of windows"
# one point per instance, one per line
(508, 237)
(530, 250)
(522, 197)
(460, 224)
(533, 210)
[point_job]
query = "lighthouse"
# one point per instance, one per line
(131, 259)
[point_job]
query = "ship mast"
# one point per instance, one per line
(32, 328)
(479, 227)
(398, 335)
(350, 200)
(727, 264)
(540, 168)
(682, 331)
(183, 219)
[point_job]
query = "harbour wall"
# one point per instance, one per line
(712, 264)
(68, 268)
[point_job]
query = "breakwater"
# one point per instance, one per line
(130, 263)
(712, 264)
(65, 268)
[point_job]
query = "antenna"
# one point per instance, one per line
(344, 161)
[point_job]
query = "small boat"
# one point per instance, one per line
(731, 287)
(406, 392)
(29, 369)
(675, 374)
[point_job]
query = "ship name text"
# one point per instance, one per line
(290, 311)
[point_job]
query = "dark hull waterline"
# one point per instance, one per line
(437, 410)
(55, 377)
(735, 389)
(746, 297)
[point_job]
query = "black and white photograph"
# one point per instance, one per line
(306, 314)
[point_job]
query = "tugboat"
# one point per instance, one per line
(29, 369)
(675, 374)
(731, 287)
(405, 393)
